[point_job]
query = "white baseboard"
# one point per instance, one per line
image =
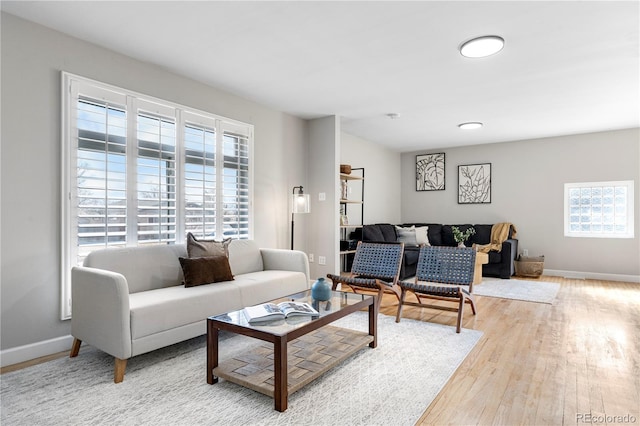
(35, 350)
(592, 276)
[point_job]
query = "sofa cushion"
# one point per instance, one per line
(388, 232)
(422, 235)
(406, 235)
(205, 270)
(435, 234)
(483, 234)
(206, 248)
(131, 262)
(259, 287)
(245, 257)
(447, 236)
(163, 309)
(372, 233)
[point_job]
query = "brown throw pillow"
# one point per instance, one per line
(205, 270)
(206, 248)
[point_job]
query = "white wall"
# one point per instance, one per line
(32, 58)
(382, 184)
(528, 180)
(322, 229)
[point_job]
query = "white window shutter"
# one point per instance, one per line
(140, 170)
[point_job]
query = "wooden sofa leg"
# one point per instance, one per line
(118, 372)
(75, 348)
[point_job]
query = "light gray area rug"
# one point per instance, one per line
(530, 291)
(392, 384)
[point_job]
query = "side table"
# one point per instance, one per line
(481, 259)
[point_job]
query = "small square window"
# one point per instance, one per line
(599, 209)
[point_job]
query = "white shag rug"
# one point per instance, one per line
(530, 291)
(391, 384)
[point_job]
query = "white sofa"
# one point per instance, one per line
(129, 301)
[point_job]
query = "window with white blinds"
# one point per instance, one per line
(156, 179)
(138, 171)
(100, 179)
(235, 185)
(200, 179)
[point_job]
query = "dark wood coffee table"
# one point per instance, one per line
(299, 349)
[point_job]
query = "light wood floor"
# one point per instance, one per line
(540, 364)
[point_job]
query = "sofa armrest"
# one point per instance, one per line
(100, 310)
(286, 260)
(509, 252)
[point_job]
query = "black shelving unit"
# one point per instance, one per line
(349, 208)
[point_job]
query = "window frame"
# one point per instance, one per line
(135, 103)
(630, 208)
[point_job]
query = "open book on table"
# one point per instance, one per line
(271, 311)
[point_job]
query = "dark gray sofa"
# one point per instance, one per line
(500, 263)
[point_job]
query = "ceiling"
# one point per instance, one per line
(567, 66)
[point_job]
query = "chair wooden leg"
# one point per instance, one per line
(379, 300)
(118, 372)
(460, 312)
(334, 284)
(399, 311)
(75, 348)
(472, 303)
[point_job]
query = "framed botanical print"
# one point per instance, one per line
(474, 184)
(430, 172)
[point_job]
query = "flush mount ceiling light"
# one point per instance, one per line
(480, 47)
(471, 125)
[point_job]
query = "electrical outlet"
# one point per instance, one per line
(322, 196)
(525, 252)
(322, 260)
(310, 257)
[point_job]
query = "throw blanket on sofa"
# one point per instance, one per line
(499, 234)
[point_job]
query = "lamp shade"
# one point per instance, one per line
(300, 203)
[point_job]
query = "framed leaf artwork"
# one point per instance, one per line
(430, 172)
(474, 184)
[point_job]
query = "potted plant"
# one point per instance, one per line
(460, 237)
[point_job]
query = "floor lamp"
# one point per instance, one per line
(300, 203)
